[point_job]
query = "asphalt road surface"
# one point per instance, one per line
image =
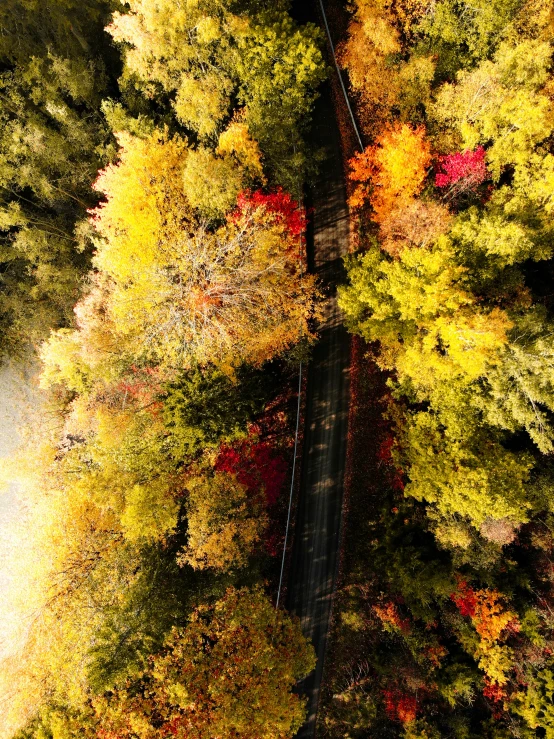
(316, 543)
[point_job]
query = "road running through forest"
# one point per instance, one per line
(318, 522)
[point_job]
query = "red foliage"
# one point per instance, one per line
(273, 543)
(400, 706)
(140, 389)
(175, 727)
(494, 692)
(465, 599)
(462, 171)
(256, 464)
(385, 449)
(435, 654)
(278, 204)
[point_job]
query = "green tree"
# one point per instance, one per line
(52, 141)
(208, 53)
(502, 104)
(464, 33)
(468, 474)
(419, 307)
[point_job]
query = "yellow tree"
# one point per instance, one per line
(212, 181)
(229, 673)
(224, 524)
(181, 293)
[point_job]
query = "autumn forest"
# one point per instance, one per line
(159, 162)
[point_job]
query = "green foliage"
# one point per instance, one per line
(141, 160)
(464, 33)
(535, 704)
(204, 408)
(52, 142)
(501, 104)
(134, 626)
(449, 585)
(469, 474)
(207, 53)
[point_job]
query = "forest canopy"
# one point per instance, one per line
(450, 292)
(152, 160)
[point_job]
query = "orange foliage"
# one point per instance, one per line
(390, 616)
(372, 39)
(391, 173)
(486, 610)
(410, 12)
(371, 54)
(491, 617)
(400, 706)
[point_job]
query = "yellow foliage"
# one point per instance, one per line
(212, 182)
(393, 172)
(175, 45)
(496, 661)
(236, 141)
(145, 207)
(203, 103)
(181, 293)
(224, 525)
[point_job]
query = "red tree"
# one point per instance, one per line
(400, 706)
(279, 205)
(463, 171)
(256, 464)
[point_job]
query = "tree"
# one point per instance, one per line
(257, 464)
(420, 308)
(53, 139)
(207, 54)
(212, 182)
(520, 390)
(415, 224)
(490, 240)
(534, 704)
(501, 103)
(472, 477)
(391, 173)
(382, 80)
(228, 673)
(461, 172)
(464, 35)
(203, 408)
(493, 622)
(192, 295)
(225, 524)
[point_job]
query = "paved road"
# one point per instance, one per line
(316, 544)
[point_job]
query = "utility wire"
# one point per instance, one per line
(345, 93)
(291, 485)
(301, 258)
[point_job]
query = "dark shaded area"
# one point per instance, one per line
(317, 534)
